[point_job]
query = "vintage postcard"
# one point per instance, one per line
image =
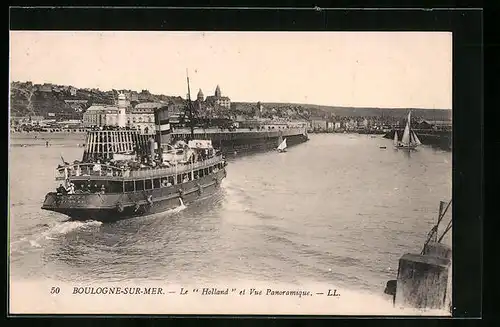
(297, 173)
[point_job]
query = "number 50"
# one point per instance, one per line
(54, 290)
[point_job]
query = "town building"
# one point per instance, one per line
(46, 87)
(318, 124)
(435, 124)
(330, 126)
(134, 96)
(142, 118)
(101, 115)
(217, 99)
(107, 115)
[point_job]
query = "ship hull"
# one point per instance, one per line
(113, 207)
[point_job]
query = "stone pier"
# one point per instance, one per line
(423, 278)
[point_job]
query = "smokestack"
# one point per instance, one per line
(162, 127)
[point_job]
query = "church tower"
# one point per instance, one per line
(200, 97)
(218, 94)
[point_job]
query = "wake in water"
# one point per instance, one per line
(58, 229)
(163, 214)
(235, 200)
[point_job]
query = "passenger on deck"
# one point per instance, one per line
(186, 179)
(103, 189)
(61, 190)
(97, 167)
(71, 188)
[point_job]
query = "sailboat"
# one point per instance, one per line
(410, 140)
(282, 147)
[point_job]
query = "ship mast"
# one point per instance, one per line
(190, 107)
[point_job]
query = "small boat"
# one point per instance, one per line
(282, 147)
(410, 140)
(382, 147)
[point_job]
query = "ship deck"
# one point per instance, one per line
(85, 171)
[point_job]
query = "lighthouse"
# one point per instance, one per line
(122, 107)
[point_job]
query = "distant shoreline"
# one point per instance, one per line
(20, 139)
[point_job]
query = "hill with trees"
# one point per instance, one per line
(68, 102)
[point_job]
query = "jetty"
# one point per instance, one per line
(244, 139)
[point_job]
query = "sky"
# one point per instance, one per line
(353, 69)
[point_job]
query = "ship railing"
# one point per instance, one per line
(102, 170)
(175, 169)
(87, 169)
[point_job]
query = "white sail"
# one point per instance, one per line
(405, 140)
(282, 145)
(416, 141)
(396, 138)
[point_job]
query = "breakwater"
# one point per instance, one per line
(240, 140)
(439, 139)
(246, 140)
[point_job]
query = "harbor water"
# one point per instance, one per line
(337, 210)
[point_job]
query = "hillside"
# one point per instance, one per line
(67, 102)
(63, 102)
(318, 111)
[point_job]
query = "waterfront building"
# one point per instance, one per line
(101, 115)
(439, 124)
(71, 123)
(142, 117)
(330, 126)
(108, 115)
(18, 120)
(269, 125)
(319, 124)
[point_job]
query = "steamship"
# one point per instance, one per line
(125, 174)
